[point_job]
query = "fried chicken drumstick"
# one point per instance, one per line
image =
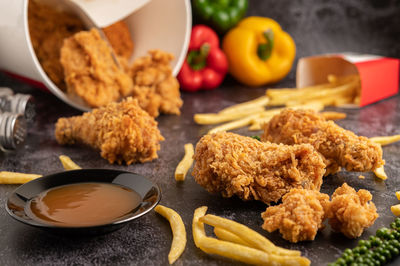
(339, 147)
(121, 131)
(231, 164)
(299, 216)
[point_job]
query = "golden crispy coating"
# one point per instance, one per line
(156, 89)
(340, 147)
(299, 216)
(120, 38)
(121, 131)
(48, 27)
(350, 211)
(90, 71)
(231, 164)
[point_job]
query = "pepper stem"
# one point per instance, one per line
(197, 59)
(264, 50)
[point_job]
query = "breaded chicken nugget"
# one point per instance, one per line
(350, 211)
(299, 216)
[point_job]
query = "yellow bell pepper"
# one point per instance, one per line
(259, 51)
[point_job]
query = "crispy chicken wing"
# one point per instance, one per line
(90, 71)
(121, 131)
(340, 147)
(299, 216)
(156, 89)
(350, 211)
(231, 164)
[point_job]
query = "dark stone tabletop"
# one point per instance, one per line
(365, 26)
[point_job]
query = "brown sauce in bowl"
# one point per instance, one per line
(84, 204)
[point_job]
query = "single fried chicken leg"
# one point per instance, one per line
(339, 147)
(121, 131)
(231, 164)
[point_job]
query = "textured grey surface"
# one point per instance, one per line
(317, 27)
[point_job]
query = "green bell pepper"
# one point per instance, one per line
(221, 15)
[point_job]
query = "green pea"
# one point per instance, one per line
(395, 243)
(396, 234)
(382, 232)
(376, 242)
(395, 251)
(349, 259)
(393, 225)
(387, 254)
(382, 259)
(347, 251)
(397, 221)
(340, 261)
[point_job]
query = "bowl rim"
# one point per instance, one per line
(154, 190)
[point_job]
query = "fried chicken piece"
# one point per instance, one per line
(299, 216)
(48, 27)
(90, 71)
(350, 211)
(120, 38)
(156, 89)
(121, 131)
(231, 164)
(339, 147)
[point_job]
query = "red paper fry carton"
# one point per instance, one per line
(379, 75)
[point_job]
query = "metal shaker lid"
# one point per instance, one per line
(23, 104)
(12, 130)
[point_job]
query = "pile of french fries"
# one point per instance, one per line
(238, 242)
(339, 91)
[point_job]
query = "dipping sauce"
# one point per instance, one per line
(84, 204)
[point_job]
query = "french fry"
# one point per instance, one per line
(395, 209)
(339, 91)
(398, 195)
(248, 235)
(385, 140)
(234, 124)
(67, 163)
(16, 178)
(249, 105)
(333, 115)
(247, 254)
(198, 227)
(178, 232)
(184, 165)
(380, 173)
(209, 119)
(225, 235)
(236, 251)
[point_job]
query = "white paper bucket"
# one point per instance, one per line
(160, 24)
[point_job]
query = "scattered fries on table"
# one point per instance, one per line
(184, 165)
(16, 178)
(380, 173)
(395, 209)
(333, 115)
(243, 251)
(178, 231)
(67, 163)
(338, 91)
(385, 140)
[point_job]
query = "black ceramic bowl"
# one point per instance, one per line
(18, 202)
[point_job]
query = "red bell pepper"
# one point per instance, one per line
(206, 64)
